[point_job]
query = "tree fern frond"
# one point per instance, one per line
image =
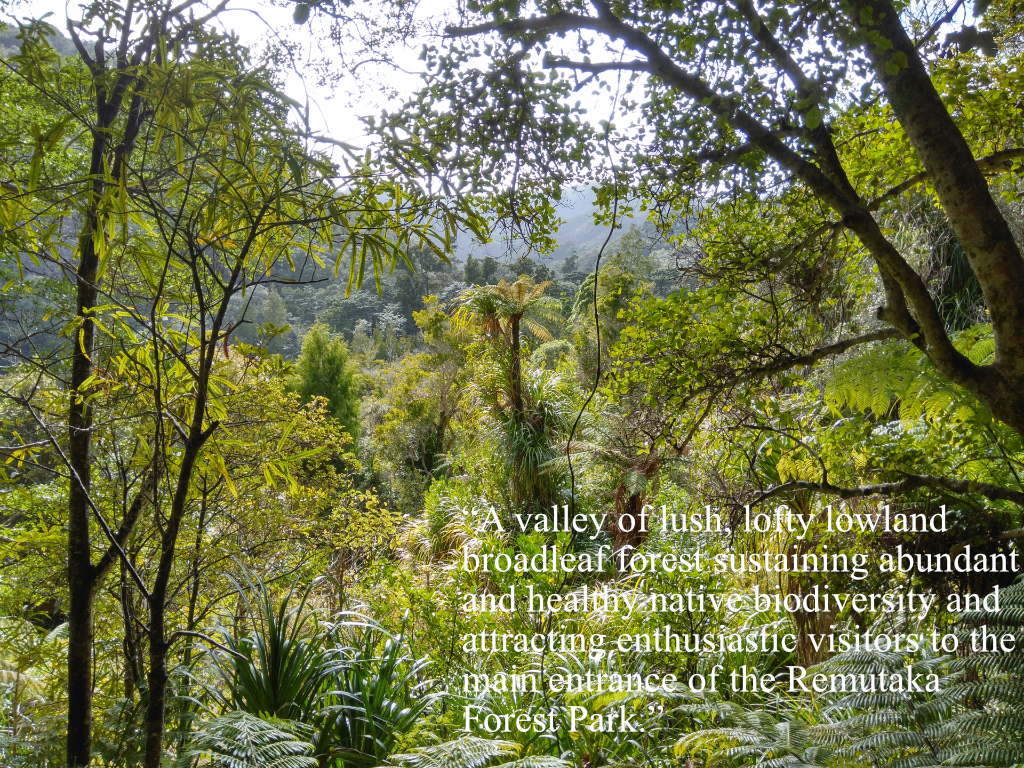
(892, 740)
(989, 757)
(915, 761)
(467, 752)
(241, 740)
(535, 761)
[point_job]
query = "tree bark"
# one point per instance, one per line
(81, 574)
(83, 577)
(79, 658)
(955, 175)
(158, 645)
(517, 370)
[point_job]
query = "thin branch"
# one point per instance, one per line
(206, 639)
(678, 446)
(552, 62)
(945, 19)
(24, 446)
(131, 516)
(1017, 533)
(815, 355)
(994, 162)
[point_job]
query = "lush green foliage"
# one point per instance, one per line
(322, 371)
(239, 484)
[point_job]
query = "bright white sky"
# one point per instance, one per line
(334, 112)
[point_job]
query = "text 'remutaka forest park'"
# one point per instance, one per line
(547, 384)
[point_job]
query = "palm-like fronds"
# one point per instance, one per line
(522, 299)
(21, 650)
(529, 440)
(242, 740)
(745, 737)
(520, 303)
(524, 417)
(474, 752)
(890, 726)
(889, 375)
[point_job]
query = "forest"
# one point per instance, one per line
(644, 387)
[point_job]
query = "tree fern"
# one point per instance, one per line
(889, 727)
(242, 740)
(976, 719)
(890, 375)
(474, 752)
(987, 689)
(745, 737)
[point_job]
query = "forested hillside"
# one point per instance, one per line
(646, 389)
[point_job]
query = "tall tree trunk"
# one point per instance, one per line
(517, 370)
(115, 130)
(157, 682)
(131, 670)
(83, 576)
(193, 603)
(80, 640)
(158, 641)
(81, 573)
(158, 644)
(958, 181)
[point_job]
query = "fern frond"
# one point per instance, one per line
(242, 740)
(991, 757)
(535, 761)
(467, 752)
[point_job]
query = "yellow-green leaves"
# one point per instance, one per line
(812, 118)
(896, 62)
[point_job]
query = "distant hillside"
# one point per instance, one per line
(9, 42)
(578, 235)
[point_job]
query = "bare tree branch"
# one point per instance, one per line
(552, 62)
(819, 354)
(24, 446)
(795, 361)
(944, 19)
(994, 162)
(1017, 533)
(105, 562)
(206, 639)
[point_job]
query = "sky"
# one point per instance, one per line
(334, 111)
